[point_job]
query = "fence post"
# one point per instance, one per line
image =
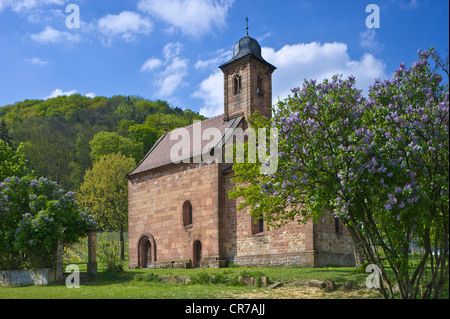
(59, 260)
(92, 253)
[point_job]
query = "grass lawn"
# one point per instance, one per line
(140, 283)
(135, 284)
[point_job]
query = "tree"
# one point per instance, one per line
(105, 192)
(56, 132)
(379, 164)
(105, 143)
(144, 135)
(12, 162)
(34, 215)
(409, 116)
(311, 126)
(4, 135)
(162, 121)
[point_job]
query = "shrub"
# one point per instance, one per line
(200, 279)
(34, 215)
(362, 269)
(110, 257)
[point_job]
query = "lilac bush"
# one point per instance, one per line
(410, 115)
(379, 163)
(34, 215)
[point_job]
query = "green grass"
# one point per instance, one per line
(119, 289)
(141, 283)
(146, 283)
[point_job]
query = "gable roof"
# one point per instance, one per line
(159, 154)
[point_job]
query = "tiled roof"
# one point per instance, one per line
(159, 155)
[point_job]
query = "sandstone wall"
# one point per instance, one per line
(290, 245)
(155, 208)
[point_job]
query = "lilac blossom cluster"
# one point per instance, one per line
(36, 213)
(386, 153)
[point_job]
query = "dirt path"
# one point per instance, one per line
(305, 292)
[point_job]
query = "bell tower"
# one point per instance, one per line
(247, 81)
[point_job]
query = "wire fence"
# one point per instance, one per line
(79, 252)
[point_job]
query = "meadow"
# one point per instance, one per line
(145, 284)
(211, 283)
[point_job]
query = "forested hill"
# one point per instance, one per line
(63, 136)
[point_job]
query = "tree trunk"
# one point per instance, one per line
(122, 246)
(357, 247)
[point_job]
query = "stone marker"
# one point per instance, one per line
(330, 285)
(276, 285)
(316, 283)
(348, 286)
(264, 281)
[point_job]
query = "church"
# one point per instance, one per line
(179, 212)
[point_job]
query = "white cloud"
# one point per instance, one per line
(172, 77)
(50, 35)
(174, 72)
(409, 4)
(126, 25)
(151, 64)
(192, 17)
(220, 57)
(59, 92)
(315, 61)
(91, 95)
(37, 61)
(294, 64)
(171, 50)
(367, 41)
(264, 36)
(169, 83)
(211, 92)
(26, 5)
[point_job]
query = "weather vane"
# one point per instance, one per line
(246, 28)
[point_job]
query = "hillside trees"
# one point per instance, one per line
(105, 143)
(57, 132)
(13, 162)
(4, 134)
(78, 141)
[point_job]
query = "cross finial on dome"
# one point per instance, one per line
(246, 28)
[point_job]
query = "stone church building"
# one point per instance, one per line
(180, 214)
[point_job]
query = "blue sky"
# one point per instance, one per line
(171, 49)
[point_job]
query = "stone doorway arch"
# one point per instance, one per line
(146, 251)
(197, 256)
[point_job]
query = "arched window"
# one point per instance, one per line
(187, 213)
(257, 225)
(336, 225)
(237, 84)
(259, 90)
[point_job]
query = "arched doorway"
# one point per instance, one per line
(145, 252)
(197, 254)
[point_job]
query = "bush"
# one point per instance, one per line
(34, 215)
(200, 279)
(110, 257)
(151, 277)
(362, 269)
